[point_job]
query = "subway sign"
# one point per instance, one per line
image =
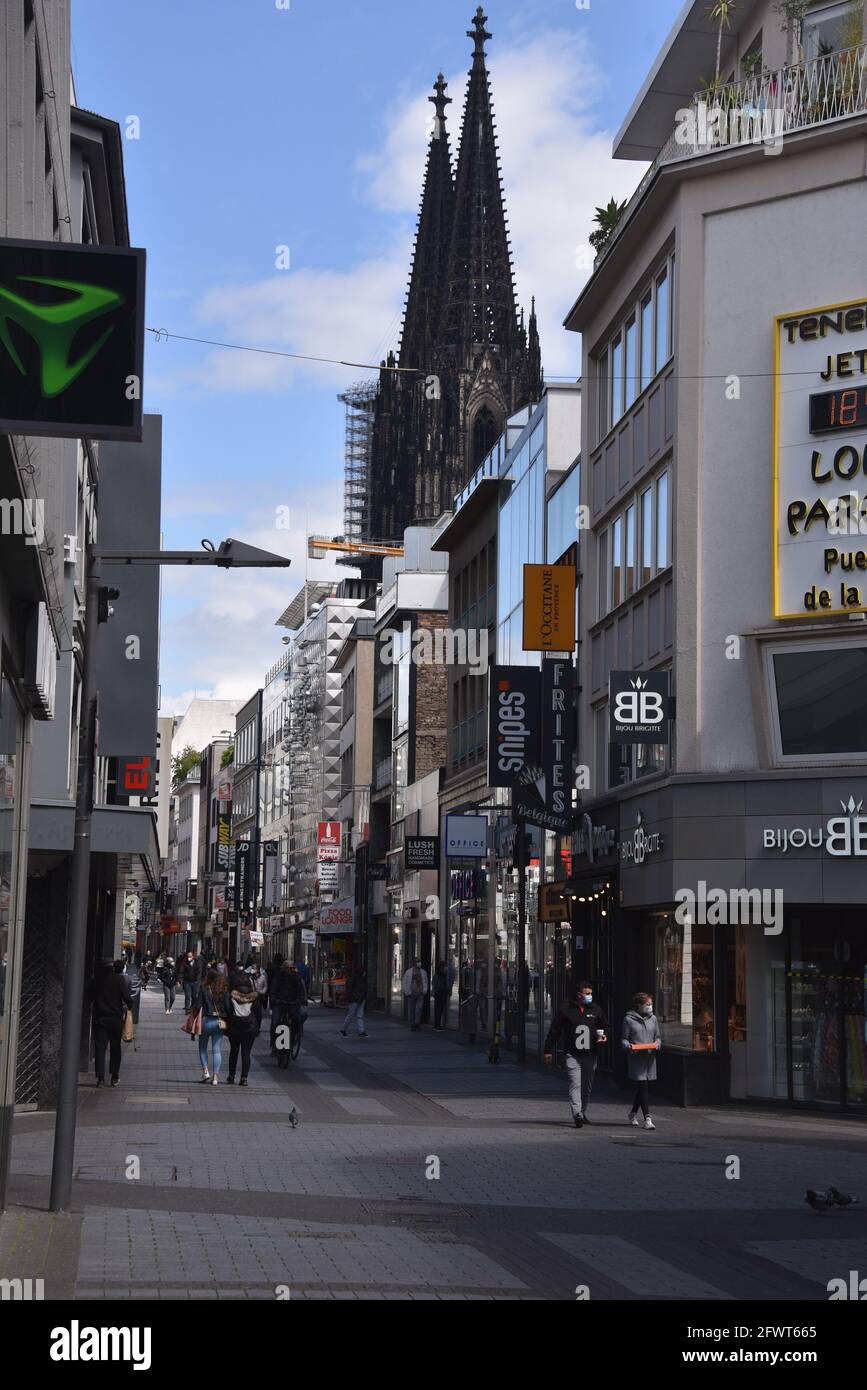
(71, 340)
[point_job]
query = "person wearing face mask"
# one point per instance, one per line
(582, 1026)
(641, 1040)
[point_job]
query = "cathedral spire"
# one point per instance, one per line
(480, 296)
(534, 357)
(421, 315)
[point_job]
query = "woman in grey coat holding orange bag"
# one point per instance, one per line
(640, 1038)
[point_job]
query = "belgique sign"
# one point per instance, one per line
(71, 340)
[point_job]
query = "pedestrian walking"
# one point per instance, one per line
(641, 1040)
(442, 988)
(582, 1027)
(356, 998)
(415, 986)
(133, 973)
(215, 1013)
(109, 997)
(242, 1023)
(169, 978)
(190, 978)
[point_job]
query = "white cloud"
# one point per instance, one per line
(220, 624)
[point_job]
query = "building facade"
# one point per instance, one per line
(724, 320)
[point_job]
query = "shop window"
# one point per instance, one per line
(684, 996)
(817, 697)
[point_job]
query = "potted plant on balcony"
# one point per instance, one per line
(720, 13)
(606, 220)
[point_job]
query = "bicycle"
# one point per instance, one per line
(296, 1032)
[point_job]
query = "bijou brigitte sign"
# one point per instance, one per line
(820, 461)
(844, 837)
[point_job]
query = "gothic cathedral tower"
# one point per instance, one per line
(466, 362)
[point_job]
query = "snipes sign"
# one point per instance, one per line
(71, 340)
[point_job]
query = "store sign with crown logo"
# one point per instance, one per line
(843, 837)
(639, 706)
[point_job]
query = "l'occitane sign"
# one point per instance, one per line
(549, 608)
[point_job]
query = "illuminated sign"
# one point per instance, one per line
(71, 339)
(820, 462)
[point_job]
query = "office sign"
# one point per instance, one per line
(421, 852)
(549, 608)
(638, 706)
(242, 876)
(820, 461)
(71, 339)
(514, 727)
(224, 840)
(466, 837)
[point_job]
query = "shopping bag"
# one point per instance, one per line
(192, 1024)
(128, 1027)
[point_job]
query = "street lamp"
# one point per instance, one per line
(230, 554)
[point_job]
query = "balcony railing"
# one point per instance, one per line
(760, 110)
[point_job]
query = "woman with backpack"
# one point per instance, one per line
(215, 1014)
(242, 1023)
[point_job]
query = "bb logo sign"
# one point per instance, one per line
(639, 706)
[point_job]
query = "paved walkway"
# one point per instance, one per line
(420, 1171)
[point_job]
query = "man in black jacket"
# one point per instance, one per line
(110, 997)
(582, 1026)
(191, 978)
(288, 997)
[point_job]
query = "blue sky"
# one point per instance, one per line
(307, 127)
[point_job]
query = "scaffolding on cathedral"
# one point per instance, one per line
(359, 400)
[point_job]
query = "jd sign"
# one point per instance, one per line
(71, 340)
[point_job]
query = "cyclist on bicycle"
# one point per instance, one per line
(288, 998)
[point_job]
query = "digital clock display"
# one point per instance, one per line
(845, 409)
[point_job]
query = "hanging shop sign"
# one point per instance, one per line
(594, 841)
(242, 876)
(843, 837)
(272, 874)
(136, 776)
(421, 852)
(820, 461)
(223, 784)
(328, 839)
(553, 903)
(542, 793)
(326, 872)
(466, 836)
(549, 608)
(71, 340)
(636, 848)
(308, 936)
(639, 706)
(224, 840)
(514, 731)
(340, 917)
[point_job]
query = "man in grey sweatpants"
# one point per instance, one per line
(582, 1027)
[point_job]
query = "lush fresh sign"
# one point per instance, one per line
(71, 340)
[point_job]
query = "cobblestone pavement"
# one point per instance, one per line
(419, 1171)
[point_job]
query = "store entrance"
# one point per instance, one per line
(820, 1009)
